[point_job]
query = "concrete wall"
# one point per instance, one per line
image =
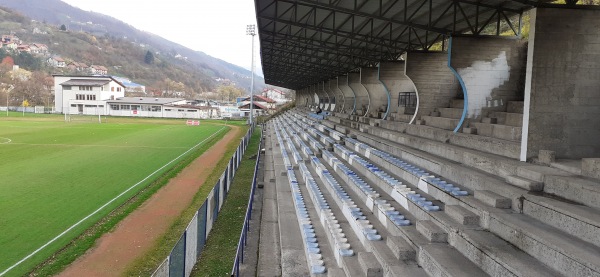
(332, 95)
(434, 81)
(564, 96)
(302, 97)
(492, 68)
(362, 95)
(369, 77)
(393, 77)
(349, 96)
(339, 95)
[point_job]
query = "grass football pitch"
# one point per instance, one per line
(53, 174)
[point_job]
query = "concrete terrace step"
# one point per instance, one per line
(564, 253)
(443, 260)
(524, 183)
(462, 215)
(441, 122)
(510, 119)
(457, 103)
(431, 231)
(515, 107)
(505, 132)
(455, 113)
(401, 131)
(493, 199)
(511, 260)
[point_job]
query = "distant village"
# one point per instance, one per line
(14, 44)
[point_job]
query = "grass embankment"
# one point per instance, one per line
(54, 174)
(219, 252)
(147, 264)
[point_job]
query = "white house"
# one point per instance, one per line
(56, 62)
(85, 94)
(275, 94)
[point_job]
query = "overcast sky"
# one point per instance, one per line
(215, 27)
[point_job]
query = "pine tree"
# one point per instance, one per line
(63, 27)
(149, 59)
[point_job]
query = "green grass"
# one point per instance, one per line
(54, 174)
(219, 252)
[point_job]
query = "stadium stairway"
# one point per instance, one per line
(459, 219)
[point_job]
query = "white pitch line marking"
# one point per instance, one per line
(107, 203)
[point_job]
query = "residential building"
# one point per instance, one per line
(98, 69)
(85, 94)
(38, 49)
(277, 95)
(24, 48)
(57, 62)
(77, 66)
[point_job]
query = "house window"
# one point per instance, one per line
(91, 106)
(135, 107)
(168, 110)
(125, 107)
(73, 105)
(118, 89)
(79, 96)
(114, 107)
(180, 110)
(192, 111)
(91, 97)
(88, 88)
(156, 108)
(66, 87)
(112, 89)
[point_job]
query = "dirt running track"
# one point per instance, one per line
(136, 234)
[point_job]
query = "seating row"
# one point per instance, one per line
(310, 242)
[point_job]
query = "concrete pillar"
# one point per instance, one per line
(392, 75)
(562, 92)
(492, 69)
(362, 96)
(369, 77)
(349, 95)
(435, 83)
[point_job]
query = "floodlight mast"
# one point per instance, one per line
(251, 31)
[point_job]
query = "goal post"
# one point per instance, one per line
(91, 115)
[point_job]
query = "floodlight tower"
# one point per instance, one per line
(251, 31)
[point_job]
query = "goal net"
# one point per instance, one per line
(84, 118)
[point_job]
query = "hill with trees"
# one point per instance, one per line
(125, 51)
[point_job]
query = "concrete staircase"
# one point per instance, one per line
(469, 212)
(502, 125)
(446, 118)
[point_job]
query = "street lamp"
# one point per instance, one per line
(251, 30)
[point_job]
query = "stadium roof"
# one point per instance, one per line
(304, 42)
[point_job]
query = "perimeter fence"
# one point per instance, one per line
(188, 248)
